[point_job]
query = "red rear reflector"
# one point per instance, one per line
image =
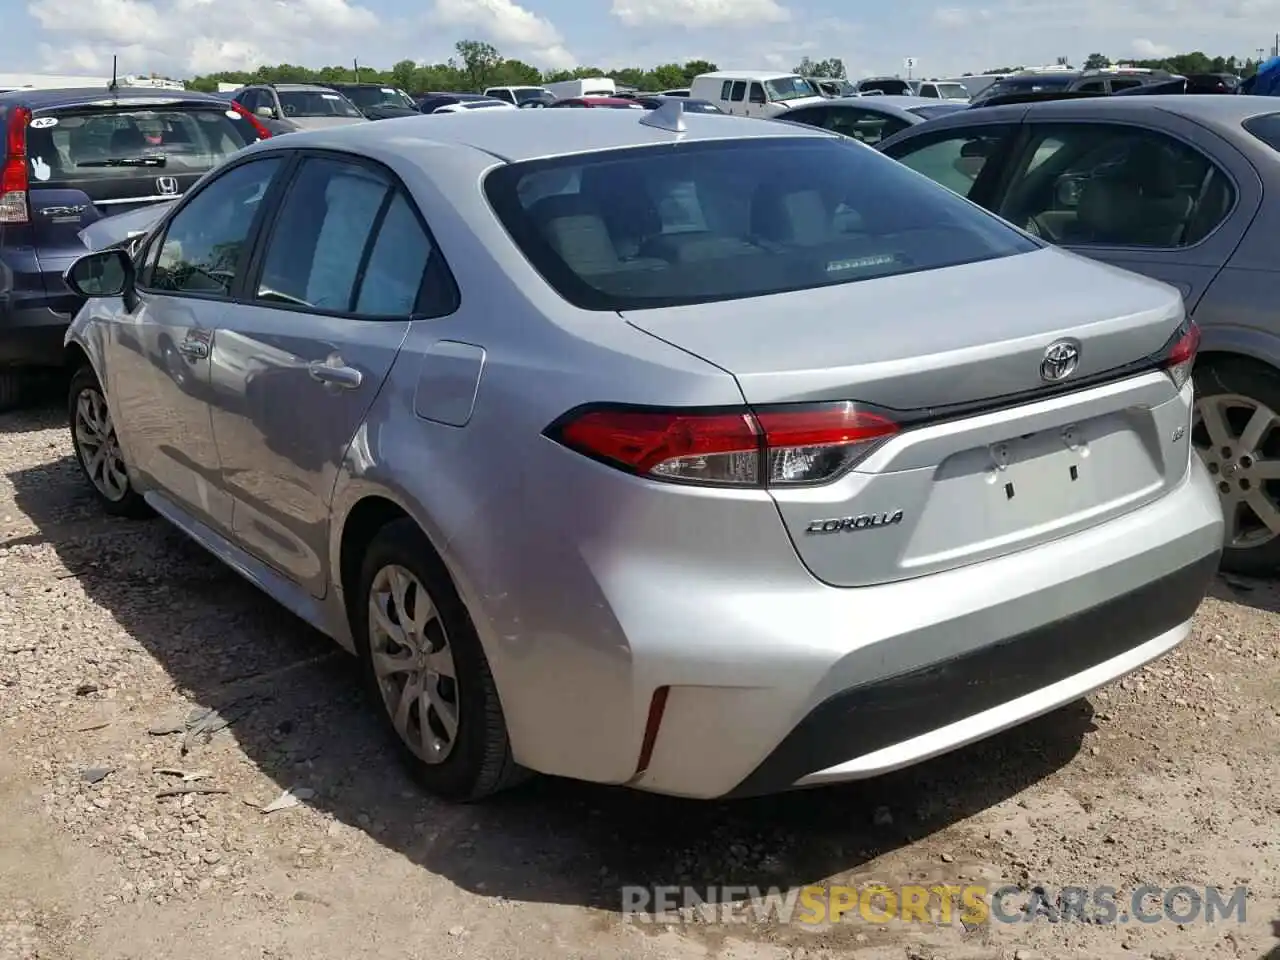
(657, 706)
(13, 174)
(773, 446)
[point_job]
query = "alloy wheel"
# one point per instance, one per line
(1238, 438)
(413, 664)
(95, 436)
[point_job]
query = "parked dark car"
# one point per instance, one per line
(377, 101)
(70, 158)
(870, 119)
(1172, 187)
(689, 104)
(432, 102)
(1105, 80)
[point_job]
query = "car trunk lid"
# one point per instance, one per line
(991, 456)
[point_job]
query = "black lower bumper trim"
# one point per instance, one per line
(862, 719)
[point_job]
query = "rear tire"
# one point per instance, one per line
(1237, 434)
(12, 384)
(97, 449)
(413, 634)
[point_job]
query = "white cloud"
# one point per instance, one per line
(185, 37)
(511, 27)
(1145, 49)
(695, 14)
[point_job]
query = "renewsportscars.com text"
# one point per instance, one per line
(972, 904)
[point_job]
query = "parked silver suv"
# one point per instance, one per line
(299, 106)
(704, 455)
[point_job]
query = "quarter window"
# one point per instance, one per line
(739, 91)
(204, 247)
(1115, 185)
(955, 161)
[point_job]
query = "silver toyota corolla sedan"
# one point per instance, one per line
(700, 454)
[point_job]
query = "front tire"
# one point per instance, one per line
(1236, 432)
(425, 668)
(97, 449)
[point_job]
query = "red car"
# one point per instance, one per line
(617, 103)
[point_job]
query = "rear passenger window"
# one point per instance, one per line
(347, 240)
(725, 88)
(203, 249)
(1115, 185)
(739, 91)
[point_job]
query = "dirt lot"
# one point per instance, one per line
(112, 633)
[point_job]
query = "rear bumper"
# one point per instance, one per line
(906, 718)
(30, 336)
(775, 680)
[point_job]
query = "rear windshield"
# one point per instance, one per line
(313, 103)
(721, 220)
(1266, 128)
(1036, 84)
(887, 87)
(525, 94)
(173, 141)
(953, 91)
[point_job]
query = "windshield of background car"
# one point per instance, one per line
(313, 103)
(789, 88)
(720, 220)
(952, 91)
(895, 88)
(526, 94)
(83, 144)
(376, 97)
(1266, 128)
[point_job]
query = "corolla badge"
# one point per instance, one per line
(1060, 360)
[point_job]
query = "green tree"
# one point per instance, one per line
(480, 60)
(402, 74)
(1096, 61)
(832, 69)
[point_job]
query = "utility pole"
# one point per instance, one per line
(356, 64)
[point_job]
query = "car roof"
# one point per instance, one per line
(72, 97)
(517, 135)
(745, 75)
(317, 87)
(1226, 111)
(902, 102)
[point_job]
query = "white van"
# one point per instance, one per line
(590, 87)
(755, 93)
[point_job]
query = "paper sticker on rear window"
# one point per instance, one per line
(330, 96)
(40, 170)
(387, 90)
(231, 114)
(39, 123)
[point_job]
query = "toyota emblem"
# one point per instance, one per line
(1060, 360)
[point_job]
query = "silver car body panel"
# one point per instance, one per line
(589, 587)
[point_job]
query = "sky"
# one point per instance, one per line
(182, 38)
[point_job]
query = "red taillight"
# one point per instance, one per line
(772, 446)
(1180, 356)
(13, 175)
(258, 126)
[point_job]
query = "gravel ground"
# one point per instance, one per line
(152, 706)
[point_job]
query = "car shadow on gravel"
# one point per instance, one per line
(302, 721)
(1262, 595)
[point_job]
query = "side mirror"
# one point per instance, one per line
(266, 112)
(106, 273)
